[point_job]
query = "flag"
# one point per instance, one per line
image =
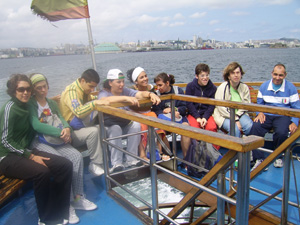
(54, 10)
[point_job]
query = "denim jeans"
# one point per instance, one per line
(246, 124)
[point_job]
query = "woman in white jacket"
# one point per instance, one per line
(233, 90)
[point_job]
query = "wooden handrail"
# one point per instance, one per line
(238, 144)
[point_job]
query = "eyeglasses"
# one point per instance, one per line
(204, 76)
(23, 89)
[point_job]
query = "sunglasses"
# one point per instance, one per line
(23, 89)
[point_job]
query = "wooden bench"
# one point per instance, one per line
(9, 186)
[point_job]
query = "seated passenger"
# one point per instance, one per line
(281, 93)
(77, 106)
(51, 174)
(200, 115)
(42, 110)
(234, 90)
(164, 83)
(114, 91)
(139, 77)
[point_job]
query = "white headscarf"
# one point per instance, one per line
(136, 72)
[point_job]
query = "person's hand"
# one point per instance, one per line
(239, 125)
(66, 135)
(293, 127)
(132, 100)
(260, 118)
(103, 101)
(202, 122)
(39, 159)
(177, 114)
(154, 98)
(167, 110)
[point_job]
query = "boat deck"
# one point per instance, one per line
(22, 210)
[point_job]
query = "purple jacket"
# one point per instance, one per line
(198, 110)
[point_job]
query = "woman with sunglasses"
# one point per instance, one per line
(51, 174)
(41, 108)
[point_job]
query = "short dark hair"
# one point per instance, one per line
(279, 65)
(202, 67)
(13, 81)
(230, 68)
(165, 77)
(90, 75)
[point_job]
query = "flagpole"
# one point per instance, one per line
(91, 42)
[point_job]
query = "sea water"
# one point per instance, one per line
(63, 70)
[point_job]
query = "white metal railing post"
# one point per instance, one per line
(286, 185)
(174, 147)
(243, 188)
(153, 173)
(220, 202)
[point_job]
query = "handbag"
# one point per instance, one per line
(54, 121)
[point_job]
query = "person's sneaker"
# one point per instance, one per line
(83, 204)
(96, 169)
(278, 163)
(73, 218)
(134, 163)
(64, 222)
(116, 168)
(257, 163)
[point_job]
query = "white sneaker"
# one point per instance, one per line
(73, 218)
(96, 169)
(278, 163)
(116, 168)
(134, 163)
(83, 204)
(257, 163)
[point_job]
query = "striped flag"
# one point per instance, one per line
(54, 10)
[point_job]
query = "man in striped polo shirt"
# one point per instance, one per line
(281, 93)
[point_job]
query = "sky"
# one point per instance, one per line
(125, 21)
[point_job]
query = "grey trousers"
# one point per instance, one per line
(91, 137)
(116, 156)
(69, 152)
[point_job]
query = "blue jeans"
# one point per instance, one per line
(246, 124)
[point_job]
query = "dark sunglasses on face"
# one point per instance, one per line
(23, 89)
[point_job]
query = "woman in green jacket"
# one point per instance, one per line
(56, 139)
(51, 174)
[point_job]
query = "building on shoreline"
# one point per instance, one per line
(197, 43)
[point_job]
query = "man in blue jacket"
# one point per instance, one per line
(200, 115)
(281, 93)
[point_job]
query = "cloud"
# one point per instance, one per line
(147, 19)
(240, 13)
(198, 15)
(176, 24)
(212, 22)
(297, 11)
(276, 2)
(224, 30)
(178, 16)
(295, 31)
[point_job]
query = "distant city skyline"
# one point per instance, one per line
(133, 21)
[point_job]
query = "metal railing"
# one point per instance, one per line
(240, 146)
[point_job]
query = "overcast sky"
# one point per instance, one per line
(133, 20)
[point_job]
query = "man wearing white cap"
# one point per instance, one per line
(114, 91)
